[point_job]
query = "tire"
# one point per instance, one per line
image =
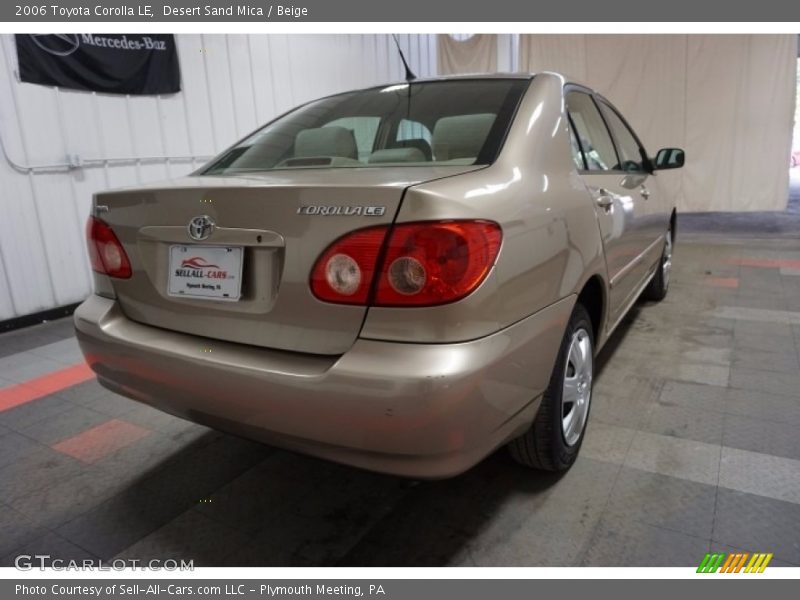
(550, 445)
(658, 287)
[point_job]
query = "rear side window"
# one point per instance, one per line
(590, 129)
(630, 152)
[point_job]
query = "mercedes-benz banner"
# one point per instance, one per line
(109, 63)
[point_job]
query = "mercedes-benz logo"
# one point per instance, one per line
(57, 44)
(201, 227)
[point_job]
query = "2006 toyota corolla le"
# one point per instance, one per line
(400, 278)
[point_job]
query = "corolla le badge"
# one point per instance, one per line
(343, 211)
(201, 227)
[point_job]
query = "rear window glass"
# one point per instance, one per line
(461, 122)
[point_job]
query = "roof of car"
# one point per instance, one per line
(475, 76)
(464, 77)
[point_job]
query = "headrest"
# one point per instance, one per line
(326, 141)
(397, 155)
(420, 144)
(462, 136)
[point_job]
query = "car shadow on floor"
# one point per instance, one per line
(225, 501)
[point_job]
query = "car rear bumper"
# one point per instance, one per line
(418, 410)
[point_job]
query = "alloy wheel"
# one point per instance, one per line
(666, 262)
(577, 391)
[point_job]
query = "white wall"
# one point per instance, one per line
(231, 84)
(796, 136)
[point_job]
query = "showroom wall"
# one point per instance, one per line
(727, 99)
(796, 134)
(60, 146)
(459, 53)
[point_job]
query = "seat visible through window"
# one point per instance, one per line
(461, 137)
(326, 141)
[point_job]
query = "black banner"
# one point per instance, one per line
(99, 62)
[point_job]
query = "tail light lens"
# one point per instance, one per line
(105, 250)
(423, 264)
(344, 272)
(435, 263)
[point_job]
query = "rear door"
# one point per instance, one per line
(617, 197)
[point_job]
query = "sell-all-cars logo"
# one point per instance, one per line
(57, 44)
(197, 267)
(201, 227)
(734, 562)
(197, 262)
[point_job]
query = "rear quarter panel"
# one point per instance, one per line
(551, 242)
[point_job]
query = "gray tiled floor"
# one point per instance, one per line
(23, 366)
(748, 521)
(625, 542)
(35, 337)
(691, 447)
(663, 501)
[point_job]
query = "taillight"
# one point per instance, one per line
(423, 264)
(436, 262)
(105, 250)
(344, 272)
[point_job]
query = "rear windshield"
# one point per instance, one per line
(461, 122)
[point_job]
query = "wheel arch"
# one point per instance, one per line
(673, 223)
(593, 297)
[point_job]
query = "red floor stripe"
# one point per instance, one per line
(38, 387)
(766, 263)
(723, 282)
(98, 442)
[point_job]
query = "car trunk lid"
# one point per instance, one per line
(273, 227)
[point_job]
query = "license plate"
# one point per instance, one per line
(210, 272)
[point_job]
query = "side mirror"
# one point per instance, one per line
(669, 158)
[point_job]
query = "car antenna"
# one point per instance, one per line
(409, 73)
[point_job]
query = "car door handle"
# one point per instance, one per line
(645, 193)
(604, 198)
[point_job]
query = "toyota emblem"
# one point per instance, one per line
(201, 227)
